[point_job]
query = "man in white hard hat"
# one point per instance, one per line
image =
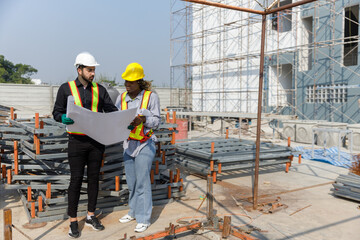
(83, 150)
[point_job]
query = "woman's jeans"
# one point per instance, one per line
(137, 171)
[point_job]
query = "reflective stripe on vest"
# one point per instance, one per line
(138, 132)
(94, 102)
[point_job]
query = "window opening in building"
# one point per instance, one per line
(281, 21)
(306, 53)
(351, 32)
(336, 93)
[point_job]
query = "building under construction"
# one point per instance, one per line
(311, 58)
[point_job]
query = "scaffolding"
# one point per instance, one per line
(215, 58)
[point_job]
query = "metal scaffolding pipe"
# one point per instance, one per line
(220, 5)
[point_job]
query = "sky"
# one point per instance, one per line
(48, 34)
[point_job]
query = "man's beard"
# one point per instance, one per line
(87, 79)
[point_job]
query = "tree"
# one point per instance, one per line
(15, 73)
(105, 79)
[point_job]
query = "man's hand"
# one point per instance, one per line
(65, 120)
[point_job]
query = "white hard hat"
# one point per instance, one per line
(85, 59)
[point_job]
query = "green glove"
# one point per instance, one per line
(130, 127)
(65, 120)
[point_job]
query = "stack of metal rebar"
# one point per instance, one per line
(347, 186)
(34, 162)
(217, 156)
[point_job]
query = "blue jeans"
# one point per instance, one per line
(137, 171)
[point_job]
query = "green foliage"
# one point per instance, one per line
(15, 73)
(105, 79)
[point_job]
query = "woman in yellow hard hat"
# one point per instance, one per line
(139, 148)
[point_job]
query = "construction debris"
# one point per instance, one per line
(34, 162)
(300, 210)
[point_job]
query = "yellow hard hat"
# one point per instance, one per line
(133, 72)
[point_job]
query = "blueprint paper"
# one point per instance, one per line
(106, 128)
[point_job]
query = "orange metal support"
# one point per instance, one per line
(158, 149)
(37, 123)
(29, 199)
(32, 209)
(163, 157)
(3, 171)
(16, 158)
(37, 144)
(171, 176)
(174, 117)
(173, 138)
(177, 179)
(167, 117)
(157, 167)
(227, 133)
(152, 176)
(212, 147)
(9, 177)
(7, 224)
(40, 203)
(289, 141)
(211, 165)
(12, 113)
(214, 176)
(287, 167)
(181, 188)
(15, 116)
(117, 183)
(48, 191)
(102, 163)
(219, 167)
(299, 158)
(41, 127)
(169, 191)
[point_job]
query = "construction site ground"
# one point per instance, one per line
(308, 211)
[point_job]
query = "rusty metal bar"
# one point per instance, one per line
(221, 5)
(172, 230)
(7, 224)
(258, 124)
(288, 6)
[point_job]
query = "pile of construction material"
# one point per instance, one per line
(4, 114)
(347, 186)
(216, 156)
(34, 162)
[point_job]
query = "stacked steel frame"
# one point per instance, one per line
(34, 162)
(216, 156)
(347, 186)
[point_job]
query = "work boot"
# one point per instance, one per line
(74, 230)
(94, 223)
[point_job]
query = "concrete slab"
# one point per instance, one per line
(309, 183)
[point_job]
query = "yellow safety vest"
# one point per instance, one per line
(138, 132)
(95, 99)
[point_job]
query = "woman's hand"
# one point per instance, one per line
(138, 120)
